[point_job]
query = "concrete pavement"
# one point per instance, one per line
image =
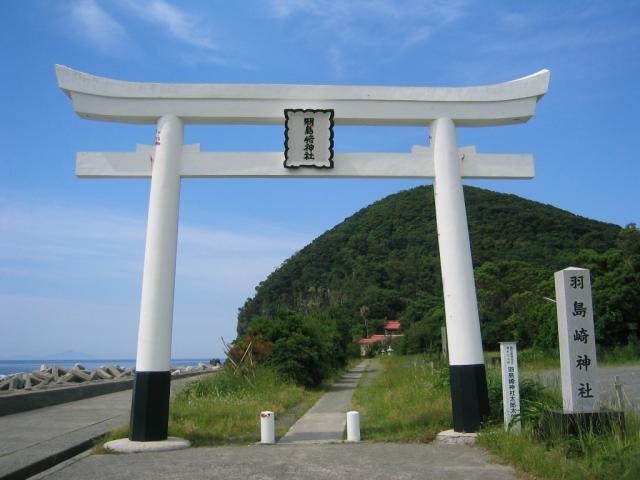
(312, 449)
(38, 439)
(325, 421)
(358, 461)
(34, 440)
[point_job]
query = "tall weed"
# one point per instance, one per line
(556, 454)
(407, 401)
(225, 408)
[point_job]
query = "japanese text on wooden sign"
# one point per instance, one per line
(308, 138)
(510, 384)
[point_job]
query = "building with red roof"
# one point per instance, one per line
(380, 343)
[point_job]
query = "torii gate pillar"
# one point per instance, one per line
(150, 401)
(469, 396)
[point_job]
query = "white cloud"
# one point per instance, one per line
(336, 61)
(560, 36)
(231, 260)
(79, 268)
(284, 8)
(46, 235)
(178, 23)
(393, 23)
(435, 11)
(41, 241)
(417, 35)
(121, 28)
(235, 242)
(37, 221)
(98, 26)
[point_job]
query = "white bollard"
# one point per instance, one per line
(353, 426)
(267, 427)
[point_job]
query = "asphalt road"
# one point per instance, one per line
(629, 378)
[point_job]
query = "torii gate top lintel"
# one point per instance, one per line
(100, 98)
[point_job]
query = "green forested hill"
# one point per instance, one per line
(383, 263)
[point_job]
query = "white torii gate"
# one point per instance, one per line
(170, 106)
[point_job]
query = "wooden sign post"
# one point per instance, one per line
(510, 385)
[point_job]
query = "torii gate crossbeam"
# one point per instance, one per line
(170, 106)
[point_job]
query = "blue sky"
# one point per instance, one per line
(71, 250)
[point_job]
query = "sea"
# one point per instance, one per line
(10, 367)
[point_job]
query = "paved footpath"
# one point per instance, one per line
(303, 454)
(325, 422)
(35, 440)
(358, 461)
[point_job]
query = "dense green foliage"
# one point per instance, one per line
(305, 349)
(383, 263)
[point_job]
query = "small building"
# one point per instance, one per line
(391, 326)
(378, 343)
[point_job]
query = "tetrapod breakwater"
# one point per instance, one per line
(52, 385)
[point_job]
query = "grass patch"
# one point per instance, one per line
(537, 360)
(408, 400)
(587, 455)
(224, 409)
(621, 355)
(115, 434)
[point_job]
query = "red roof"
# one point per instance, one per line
(377, 338)
(392, 325)
(372, 339)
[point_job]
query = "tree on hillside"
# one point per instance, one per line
(302, 348)
(386, 258)
(616, 288)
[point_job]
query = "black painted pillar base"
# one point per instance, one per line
(150, 407)
(469, 397)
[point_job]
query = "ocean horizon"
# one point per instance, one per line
(11, 367)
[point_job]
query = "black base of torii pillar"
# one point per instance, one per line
(150, 406)
(469, 397)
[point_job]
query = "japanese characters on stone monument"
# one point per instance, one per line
(308, 138)
(578, 365)
(510, 384)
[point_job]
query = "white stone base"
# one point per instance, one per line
(450, 437)
(124, 445)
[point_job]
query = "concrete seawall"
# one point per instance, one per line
(21, 400)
